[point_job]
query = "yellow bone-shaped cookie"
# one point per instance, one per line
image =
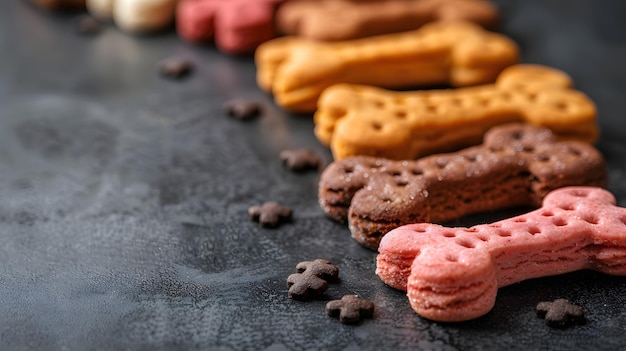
(297, 70)
(362, 120)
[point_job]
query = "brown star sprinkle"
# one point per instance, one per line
(312, 279)
(350, 309)
(270, 214)
(175, 67)
(242, 109)
(87, 25)
(300, 159)
(560, 313)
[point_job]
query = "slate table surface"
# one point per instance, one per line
(124, 198)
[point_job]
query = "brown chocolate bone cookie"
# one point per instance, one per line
(517, 165)
(312, 279)
(349, 19)
(350, 309)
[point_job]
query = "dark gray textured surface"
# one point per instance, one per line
(124, 197)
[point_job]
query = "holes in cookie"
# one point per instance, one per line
(377, 126)
(591, 219)
(528, 148)
(483, 238)
(348, 169)
(533, 230)
(400, 114)
(419, 230)
(470, 158)
(547, 213)
(417, 172)
(560, 105)
(567, 207)
(393, 172)
(465, 243)
(400, 182)
(531, 97)
(449, 235)
(451, 258)
(456, 102)
(519, 220)
(542, 158)
(517, 135)
(559, 221)
(379, 104)
(337, 112)
(430, 108)
(505, 96)
(574, 151)
(504, 233)
(441, 163)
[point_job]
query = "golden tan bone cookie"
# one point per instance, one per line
(297, 70)
(362, 120)
(349, 19)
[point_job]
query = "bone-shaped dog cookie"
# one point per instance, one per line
(361, 120)
(453, 274)
(135, 16)
(517, 165)
(236, 26)
(349, 19)
(297, 70)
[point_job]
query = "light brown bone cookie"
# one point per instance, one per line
(517, 165)
(361, 120)
(329, 20)
(453, 274)
(297, 70)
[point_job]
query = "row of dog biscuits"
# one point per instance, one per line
(517, 165)
(297, 70)
(362, 120)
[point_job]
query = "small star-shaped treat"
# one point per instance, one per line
(175, 67)
(560, 313)
(300, 159)
(87, 25)
(270, 214)
(242, 109)
(312, 279)
(350, 309)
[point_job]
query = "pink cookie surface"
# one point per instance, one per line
(453, 274)
(237, 26)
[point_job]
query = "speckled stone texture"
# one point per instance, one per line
(124, 198)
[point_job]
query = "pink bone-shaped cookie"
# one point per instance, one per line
(238, 26)
(453, 274)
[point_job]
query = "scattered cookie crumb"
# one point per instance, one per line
(87, 25)
(270, 214)
(312, 279)
(175, 67)
(560, 313)
(350, 309)
(242, 109)
(300, 159)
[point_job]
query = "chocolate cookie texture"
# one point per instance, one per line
(517, 165)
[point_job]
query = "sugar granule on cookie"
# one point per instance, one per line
(560, 313)
(312, 279)
(242, 109)
(350, 309)
(300, 159)
(270, 214)
(175, 67)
